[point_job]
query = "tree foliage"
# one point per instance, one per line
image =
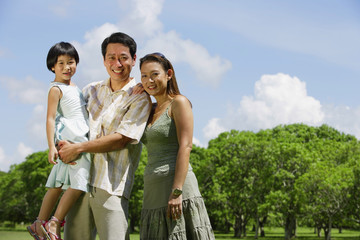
(135, 203)
(285, 176)
(23, 187)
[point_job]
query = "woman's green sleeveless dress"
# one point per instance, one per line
(162, 146)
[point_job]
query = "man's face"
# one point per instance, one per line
(118, 62)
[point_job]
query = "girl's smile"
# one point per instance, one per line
(64, 68)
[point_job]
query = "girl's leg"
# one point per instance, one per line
(48, 203)
(66, 202)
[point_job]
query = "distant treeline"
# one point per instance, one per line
(289, 176)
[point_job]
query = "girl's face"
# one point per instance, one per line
(154, 78)
(64, 68)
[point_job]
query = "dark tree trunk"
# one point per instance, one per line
(327, 230)
(257, 226)
(262, 225)
(238, 227)
(294, 228)
(132, 225)
(327, 233)
(319, 231)
(244, 228)
(290, 227)
(228, 226)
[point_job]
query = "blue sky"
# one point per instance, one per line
(244, 64)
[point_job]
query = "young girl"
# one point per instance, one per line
(67, 119)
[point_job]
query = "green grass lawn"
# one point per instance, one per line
(271, 234)
(24, 235)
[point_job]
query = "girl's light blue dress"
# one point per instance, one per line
(71, 124)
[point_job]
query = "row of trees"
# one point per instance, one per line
(286, 176)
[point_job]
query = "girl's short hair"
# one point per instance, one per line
(61, 48)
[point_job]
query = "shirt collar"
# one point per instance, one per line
(127, 88)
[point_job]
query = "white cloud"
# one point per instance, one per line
(28, 90)
(197, 142)
(142, 18)
(213, 129)
(62, 9)
(142, 23)
(281, 99)
(23, 151)
(278, 99)
(37, 125)
(91, 68)
(6, 161)
(343, 118)
(3, 163)
(186, 51)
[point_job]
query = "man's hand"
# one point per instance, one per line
(68, 152)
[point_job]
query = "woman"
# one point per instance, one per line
(172, 207)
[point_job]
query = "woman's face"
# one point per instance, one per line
(154, 78)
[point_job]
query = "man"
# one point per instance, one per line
(117, 120)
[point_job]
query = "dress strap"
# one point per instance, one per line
(172, 100)
(168, 107)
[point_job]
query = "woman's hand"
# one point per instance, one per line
(174, 209)
(53, 155)
(138, 89)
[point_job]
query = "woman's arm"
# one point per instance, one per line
(54, 97)
(182, 114)
(183, 117)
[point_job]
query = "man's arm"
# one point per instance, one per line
(69, 152)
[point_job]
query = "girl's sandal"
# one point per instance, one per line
(46, 229)
(34, 233)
